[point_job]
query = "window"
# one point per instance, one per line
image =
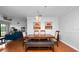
(2, 29)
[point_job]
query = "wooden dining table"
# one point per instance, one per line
(39, 40)
(39, 37)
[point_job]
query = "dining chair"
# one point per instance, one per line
(42, 32)
(2, 40)
(36, 32)
(56, 38)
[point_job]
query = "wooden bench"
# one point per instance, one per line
(39, 44)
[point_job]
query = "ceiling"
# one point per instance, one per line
(24, 11)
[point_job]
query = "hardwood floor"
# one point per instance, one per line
(17, 46)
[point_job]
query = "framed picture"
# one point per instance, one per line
(48, 25)
(36, 25)
(7, 18)
(23, 29)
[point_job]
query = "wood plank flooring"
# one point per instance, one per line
(17, 46)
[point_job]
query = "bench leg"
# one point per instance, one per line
(26, 49)
(52, 48)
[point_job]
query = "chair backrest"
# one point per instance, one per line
(24, 34)
(43, 32)
(57, 35)
(36, 32)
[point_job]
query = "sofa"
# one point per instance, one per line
(14, 36)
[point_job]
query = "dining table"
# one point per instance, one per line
(40, 40)
(39, 36)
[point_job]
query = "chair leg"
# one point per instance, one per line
(57, 43)
(52, 48)
(26, 49)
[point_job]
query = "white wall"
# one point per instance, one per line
(30, 21)
(15, 21)
(69, 28)
(1, 18)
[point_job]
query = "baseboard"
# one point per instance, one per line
(70, 45)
